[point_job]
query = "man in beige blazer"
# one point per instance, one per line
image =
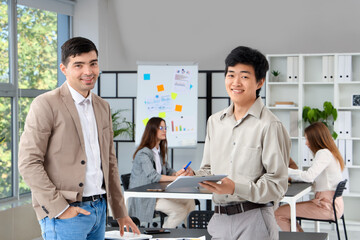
(66, 153)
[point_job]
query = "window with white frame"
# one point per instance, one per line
(29, 40)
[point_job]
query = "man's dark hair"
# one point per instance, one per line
(248, 56)
(76, 46)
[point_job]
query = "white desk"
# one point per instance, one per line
(295, 192)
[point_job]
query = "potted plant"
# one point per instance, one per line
(327, 116)
(275, 75)
(120, 125)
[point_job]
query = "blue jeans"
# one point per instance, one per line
(81, 227)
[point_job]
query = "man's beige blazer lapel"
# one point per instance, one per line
(70, 105)
(99, 120)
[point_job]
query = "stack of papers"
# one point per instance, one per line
(285, 104)
(183, 238)
(130, 235)
(127, 235)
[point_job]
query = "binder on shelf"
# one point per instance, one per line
(307, 155)
(328, 68)
(294, 124)
(347, 68)
(341, 68)
(344, 68)
(348, 152)
(331, 70)
(295, 69)
(325, 68)
(347, 124)
(290, 69)
(341, 147)
(311, 157)
(340, 124)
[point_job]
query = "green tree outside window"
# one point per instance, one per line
(37, 69)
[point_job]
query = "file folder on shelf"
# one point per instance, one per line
(308, 157)
(347, 124)
(290, 69)
(348, 152)
(325, 68)
(344, 68)
(341, 68)
(347, 68)
(331, 64)
(328, 68)
(341, 147)
(295, 69)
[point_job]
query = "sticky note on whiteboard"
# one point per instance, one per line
(146, 76)
(160, 88)
(162, 114)
(178, 108)
(173, 95)
(145, 121)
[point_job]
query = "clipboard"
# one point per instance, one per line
(192, 181)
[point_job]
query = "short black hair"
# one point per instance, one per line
(76, 46)
(248, 56)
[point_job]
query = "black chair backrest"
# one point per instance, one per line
(340, 189)
(125, 179)
(199, 219)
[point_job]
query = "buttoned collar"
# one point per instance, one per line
(254, 110)
(77, 97)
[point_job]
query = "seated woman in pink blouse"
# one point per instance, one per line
(325, 172)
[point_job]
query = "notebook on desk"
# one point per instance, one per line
(127, 235)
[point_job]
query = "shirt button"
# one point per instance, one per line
(82, 162)
(234, 143)
(81, 184)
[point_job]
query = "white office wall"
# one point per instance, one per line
(205, 31)
(86, 20)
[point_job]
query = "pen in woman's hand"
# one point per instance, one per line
(187, 166)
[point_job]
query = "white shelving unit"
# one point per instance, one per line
(319, 78)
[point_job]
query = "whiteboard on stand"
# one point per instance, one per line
(169, 91)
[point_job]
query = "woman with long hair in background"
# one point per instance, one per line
(325, 172)
(150, 166)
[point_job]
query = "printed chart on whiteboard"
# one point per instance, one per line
(170, 92)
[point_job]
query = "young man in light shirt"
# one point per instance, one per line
(249, 144)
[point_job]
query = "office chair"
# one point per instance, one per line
(338, 193)
(199, 219)
(125, 179)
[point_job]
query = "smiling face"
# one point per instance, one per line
(241, 85)
(82, 72)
